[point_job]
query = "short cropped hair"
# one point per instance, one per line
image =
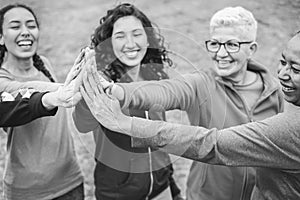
(235, 17)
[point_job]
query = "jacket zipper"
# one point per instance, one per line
(250, 118)
(150, 166)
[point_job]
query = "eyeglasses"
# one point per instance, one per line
(231, 46)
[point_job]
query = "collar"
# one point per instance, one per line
(270, 83)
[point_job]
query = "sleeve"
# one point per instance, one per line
(175, 190)
(177, 93)
(273, 142)
(9, 84)
(83, 118)
(19, 112)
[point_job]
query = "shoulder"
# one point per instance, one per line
(6, 74)
(48, 66)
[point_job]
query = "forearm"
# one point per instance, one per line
(261, 144)
(158, 95)
(15, 113)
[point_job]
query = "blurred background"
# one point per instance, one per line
(66, 27)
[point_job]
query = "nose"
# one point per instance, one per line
(130, 43)
(283, 72)
(222, 51)
(24, 31)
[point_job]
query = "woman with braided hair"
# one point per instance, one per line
(41, 160)
(127, 49)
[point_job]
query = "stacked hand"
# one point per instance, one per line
(105, 108)
(68, 94)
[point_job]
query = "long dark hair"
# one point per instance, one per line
(37, 61)
(156, 55)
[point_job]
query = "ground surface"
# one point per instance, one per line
(66, 27)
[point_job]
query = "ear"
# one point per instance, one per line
(253, 48)
(1, 40)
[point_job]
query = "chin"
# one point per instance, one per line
(223, 73)
(132, 63)
(26, 55)
(291, 100)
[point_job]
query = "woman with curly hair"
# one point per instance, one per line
(127, 49)
(41, 160)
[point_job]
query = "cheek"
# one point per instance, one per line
(212, 55)
(9, 35)
(117, 46)
(296, 81)
(36, 34)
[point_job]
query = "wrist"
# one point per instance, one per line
(126, 123)
(49, 100)
(118, 92)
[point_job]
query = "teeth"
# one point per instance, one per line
(131, 54)
(24, 43)
(287, 89)
(223, 62)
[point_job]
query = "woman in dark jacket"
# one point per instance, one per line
(128, 48)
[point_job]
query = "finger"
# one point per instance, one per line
(94, 83)
(98, 79)
(89, 64)
(80, 57)
(87, 85)
(86, 98)
(89, 53)
(73, 73)
(78, 79)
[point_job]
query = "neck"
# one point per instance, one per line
(18, 66)
(245, 78)
(134, 72)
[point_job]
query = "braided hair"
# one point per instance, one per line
(37, 61)
(152, 63)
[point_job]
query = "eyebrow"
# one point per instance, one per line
(122, 32)
(17, 21)
(297, 62)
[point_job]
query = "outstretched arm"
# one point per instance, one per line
(31, 105)
(273, 142)
(22, 111)
(177, 93)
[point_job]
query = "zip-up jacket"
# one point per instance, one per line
(270, 145)
(210, 102)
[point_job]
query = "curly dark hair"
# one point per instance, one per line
(37, 61)
(156, 55)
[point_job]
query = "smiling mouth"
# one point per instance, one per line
(224, 63)
(25, 43)
(286, 88)
(131, 54)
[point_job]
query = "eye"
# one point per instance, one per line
(32, 26)
(283, 62)
(295, 68)
(232, 44)
(15, 27)
(137, 34)
(119, 36)
(213, 43)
